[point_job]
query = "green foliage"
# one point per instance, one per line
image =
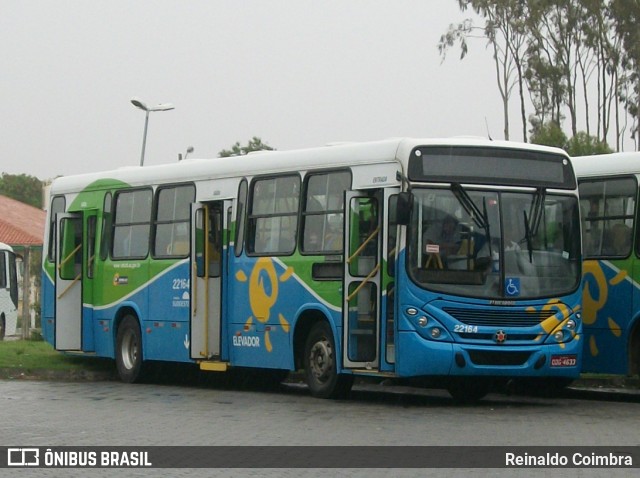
(26, 356)
(583, 144)
(254, 144)
(568, 58)
(548, 134)
(23, 188)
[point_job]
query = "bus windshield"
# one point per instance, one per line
(504, 245)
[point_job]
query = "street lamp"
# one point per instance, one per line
(138, 103)
(189, 151)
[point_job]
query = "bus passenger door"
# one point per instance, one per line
(361, 289)
(68, 310)
(388, 278)
(207, 228)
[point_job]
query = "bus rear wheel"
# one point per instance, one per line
(129, 350)
(320, 365)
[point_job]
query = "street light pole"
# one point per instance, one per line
(140, 104)
(144, 136)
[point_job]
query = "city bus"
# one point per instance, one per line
(608, 186)
(331, 261)
(8, 291)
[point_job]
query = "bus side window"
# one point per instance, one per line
(608, 207)
(322, 216)
(131, 226)
(172, 221)
(107, 219)
(273, 215)
(57, 205)
(3, 270)
(240, 217)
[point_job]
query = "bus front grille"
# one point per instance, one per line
(499, 317)
(481, 357)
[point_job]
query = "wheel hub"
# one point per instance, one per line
(321, 359)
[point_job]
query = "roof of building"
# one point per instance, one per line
(20, 223)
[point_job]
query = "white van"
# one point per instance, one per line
(8, 291)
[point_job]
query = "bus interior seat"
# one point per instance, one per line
(619, 240)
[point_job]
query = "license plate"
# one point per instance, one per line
(564, 360)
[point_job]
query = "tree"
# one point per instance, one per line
(505, 34)
(569, 56)
(583, 144)
(254, 144)
(548, 134)
(23, 188)
(626, 17)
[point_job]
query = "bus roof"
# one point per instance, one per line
(266, 162)
(5, 247)
(606, 164)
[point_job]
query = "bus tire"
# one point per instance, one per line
(467, 389)
(129, 350)
(320, 365)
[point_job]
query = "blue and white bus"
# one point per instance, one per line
(456, 260)
(608, 187)
(8, 291)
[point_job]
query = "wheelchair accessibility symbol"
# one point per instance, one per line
(512, 287)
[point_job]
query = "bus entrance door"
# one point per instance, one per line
(361, 290)
(68, 310)
(207, 247)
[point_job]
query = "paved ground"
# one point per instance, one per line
(103, 413)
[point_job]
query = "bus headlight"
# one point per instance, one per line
(571, 324)
(436, 332)
(423, 321)
(559, 336)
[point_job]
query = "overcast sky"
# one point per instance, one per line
(296, 73)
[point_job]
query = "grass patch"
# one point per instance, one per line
(31, 356)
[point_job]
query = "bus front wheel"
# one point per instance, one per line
(129, 350)
(468, 390)
(320, 365)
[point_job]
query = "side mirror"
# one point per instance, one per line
(403, 208)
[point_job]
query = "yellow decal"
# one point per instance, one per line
(615, 328)
(287, 274)
(260, 301)
(592, 306)
(593, 347)
(283, 322)
(618, 278)
(267, 342)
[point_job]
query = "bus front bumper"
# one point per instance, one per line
(432, 358)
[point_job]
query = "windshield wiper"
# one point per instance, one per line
(480, 218)
(528, 236)
(534, 219)
(537, 208)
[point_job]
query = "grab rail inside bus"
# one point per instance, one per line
(365, 281)
(71, 254)
(363, 245)
(76, 279)
(356, 254)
